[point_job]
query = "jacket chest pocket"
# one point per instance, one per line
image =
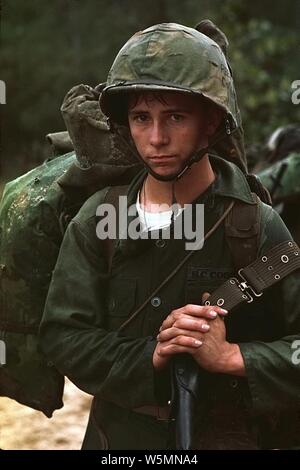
(121, 301)
(203, 279)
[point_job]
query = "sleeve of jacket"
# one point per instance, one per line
(273, 368)
(72, 332)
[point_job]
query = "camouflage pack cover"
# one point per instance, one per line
(31, 233)
(34, 213)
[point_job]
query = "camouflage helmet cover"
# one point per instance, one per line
(171, 57)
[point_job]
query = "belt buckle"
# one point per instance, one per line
(245, 287)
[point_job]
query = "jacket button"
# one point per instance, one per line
(112, 304)
(155, 302)
(233, 383)
(160, 243)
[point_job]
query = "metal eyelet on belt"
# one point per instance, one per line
(156, 302)
(220, 302)
(284, 259)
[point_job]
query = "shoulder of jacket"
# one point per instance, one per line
(88, 211)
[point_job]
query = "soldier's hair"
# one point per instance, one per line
(126, 101)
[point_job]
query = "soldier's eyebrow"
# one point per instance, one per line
(185, 109)
(177, 110)
(137, 111)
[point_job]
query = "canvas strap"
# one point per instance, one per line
(251, 281)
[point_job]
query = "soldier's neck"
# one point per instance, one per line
(191, 185)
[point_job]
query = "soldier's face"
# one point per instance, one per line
(167, 128)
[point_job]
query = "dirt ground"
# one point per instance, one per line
(22, 428)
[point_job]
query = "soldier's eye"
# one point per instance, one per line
(140, 118)
(177, 117)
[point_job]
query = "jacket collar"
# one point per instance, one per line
(231, 181)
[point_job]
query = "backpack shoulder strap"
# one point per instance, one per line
(242, 231)
(112, 197)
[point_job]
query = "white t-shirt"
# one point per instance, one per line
(154, 220)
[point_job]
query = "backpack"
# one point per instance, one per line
(34, 213)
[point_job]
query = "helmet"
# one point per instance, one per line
(173, 57)
(283, 141)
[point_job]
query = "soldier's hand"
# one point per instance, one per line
(190, 317)
(183, 331)
(217, 355)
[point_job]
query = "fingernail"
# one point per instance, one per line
(224, 311)
(205, 327)
(213, 314)
(197, 342)
(157, 337)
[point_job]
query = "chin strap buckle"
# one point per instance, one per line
(227, 127)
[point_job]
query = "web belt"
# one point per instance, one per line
(252, 280)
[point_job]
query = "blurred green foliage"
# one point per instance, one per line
(49, 46)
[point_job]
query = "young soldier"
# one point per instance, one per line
(170, 95)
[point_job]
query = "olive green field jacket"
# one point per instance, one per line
(85, 308)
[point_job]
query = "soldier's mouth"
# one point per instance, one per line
(162, 158)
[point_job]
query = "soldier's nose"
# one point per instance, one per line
(158, 135)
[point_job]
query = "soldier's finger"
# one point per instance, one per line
(191, 323)
(186, 322)
(171, 333)
(171, 349)
(204, 311)
(209, 312)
